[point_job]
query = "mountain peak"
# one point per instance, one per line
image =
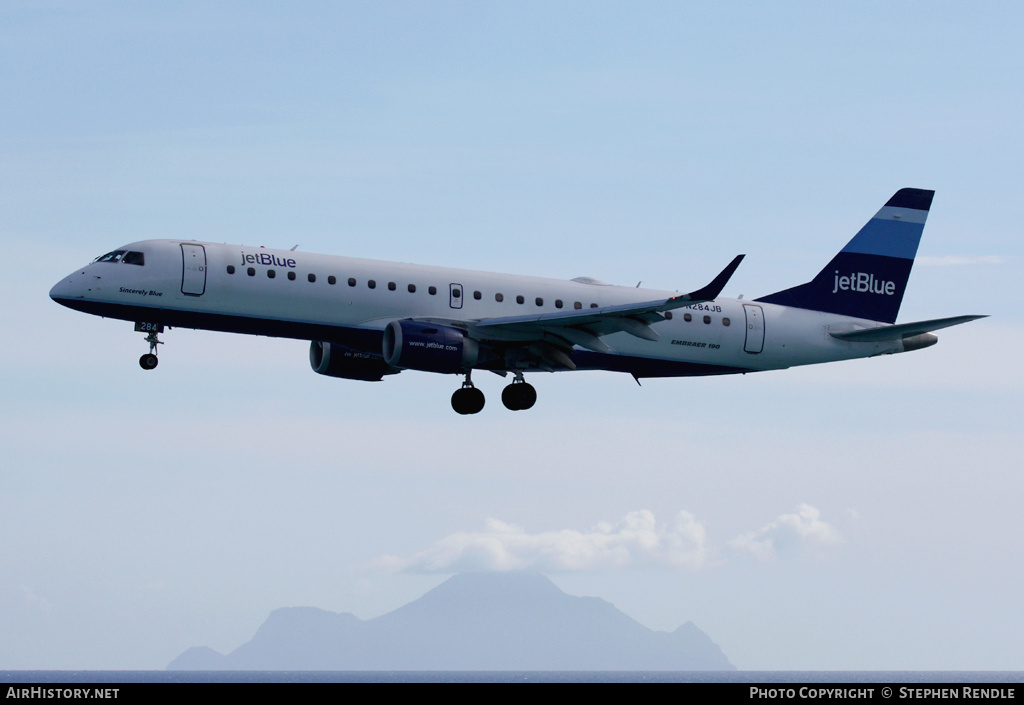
(472, 621)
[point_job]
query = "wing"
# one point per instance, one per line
(548, 338)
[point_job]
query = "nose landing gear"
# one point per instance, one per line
(149, 361)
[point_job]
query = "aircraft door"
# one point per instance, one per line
(455, 295)
(193, 269)
(754, 342)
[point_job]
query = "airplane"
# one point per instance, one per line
(367, 319)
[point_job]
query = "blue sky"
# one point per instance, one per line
(857, 515)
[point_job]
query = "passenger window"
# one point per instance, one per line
(540, 301)
(392, 286)
(251, 272)
(291, 276)
(351, 281)
(231, 269)
(311, 278)
(687, 317)
(271, 274)
(499, 297)
(477, 295)
(369, 282)
(412, 288)
(432, 290)
(332, 280)
(593, 305)
(707, 319)
(577, 305)
(520, 300)
(726, 322)
(558, 303)
(668, 315)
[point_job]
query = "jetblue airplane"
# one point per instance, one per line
(367, 319)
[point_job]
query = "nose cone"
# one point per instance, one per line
(67, 289)
(60, 290)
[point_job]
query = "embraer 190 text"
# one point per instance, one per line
(367, 319)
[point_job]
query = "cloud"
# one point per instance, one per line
(636, 539)
(954, 260)
(787, 534)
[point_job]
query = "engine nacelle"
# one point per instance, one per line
(337, 361)
(428, 347)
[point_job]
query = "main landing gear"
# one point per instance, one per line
(517, 396)
(149, 361)
(520, 395)
(468, 399)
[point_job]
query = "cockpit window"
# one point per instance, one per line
(114, 256)
(124, 257)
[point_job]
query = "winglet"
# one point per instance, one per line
(712, 290)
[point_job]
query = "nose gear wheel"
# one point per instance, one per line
(149, 360)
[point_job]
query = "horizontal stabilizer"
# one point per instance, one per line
(903, 330)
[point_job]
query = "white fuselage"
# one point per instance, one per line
(351, 301)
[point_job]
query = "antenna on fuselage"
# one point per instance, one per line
(294, 248)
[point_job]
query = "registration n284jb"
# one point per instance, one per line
(367, 319)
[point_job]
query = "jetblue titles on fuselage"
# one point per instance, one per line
(267, 259)
(457, 321)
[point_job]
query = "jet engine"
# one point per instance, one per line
(428, 347)
(336, 361)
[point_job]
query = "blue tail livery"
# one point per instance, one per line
(868, 277)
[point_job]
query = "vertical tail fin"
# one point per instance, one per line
(868, 277)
